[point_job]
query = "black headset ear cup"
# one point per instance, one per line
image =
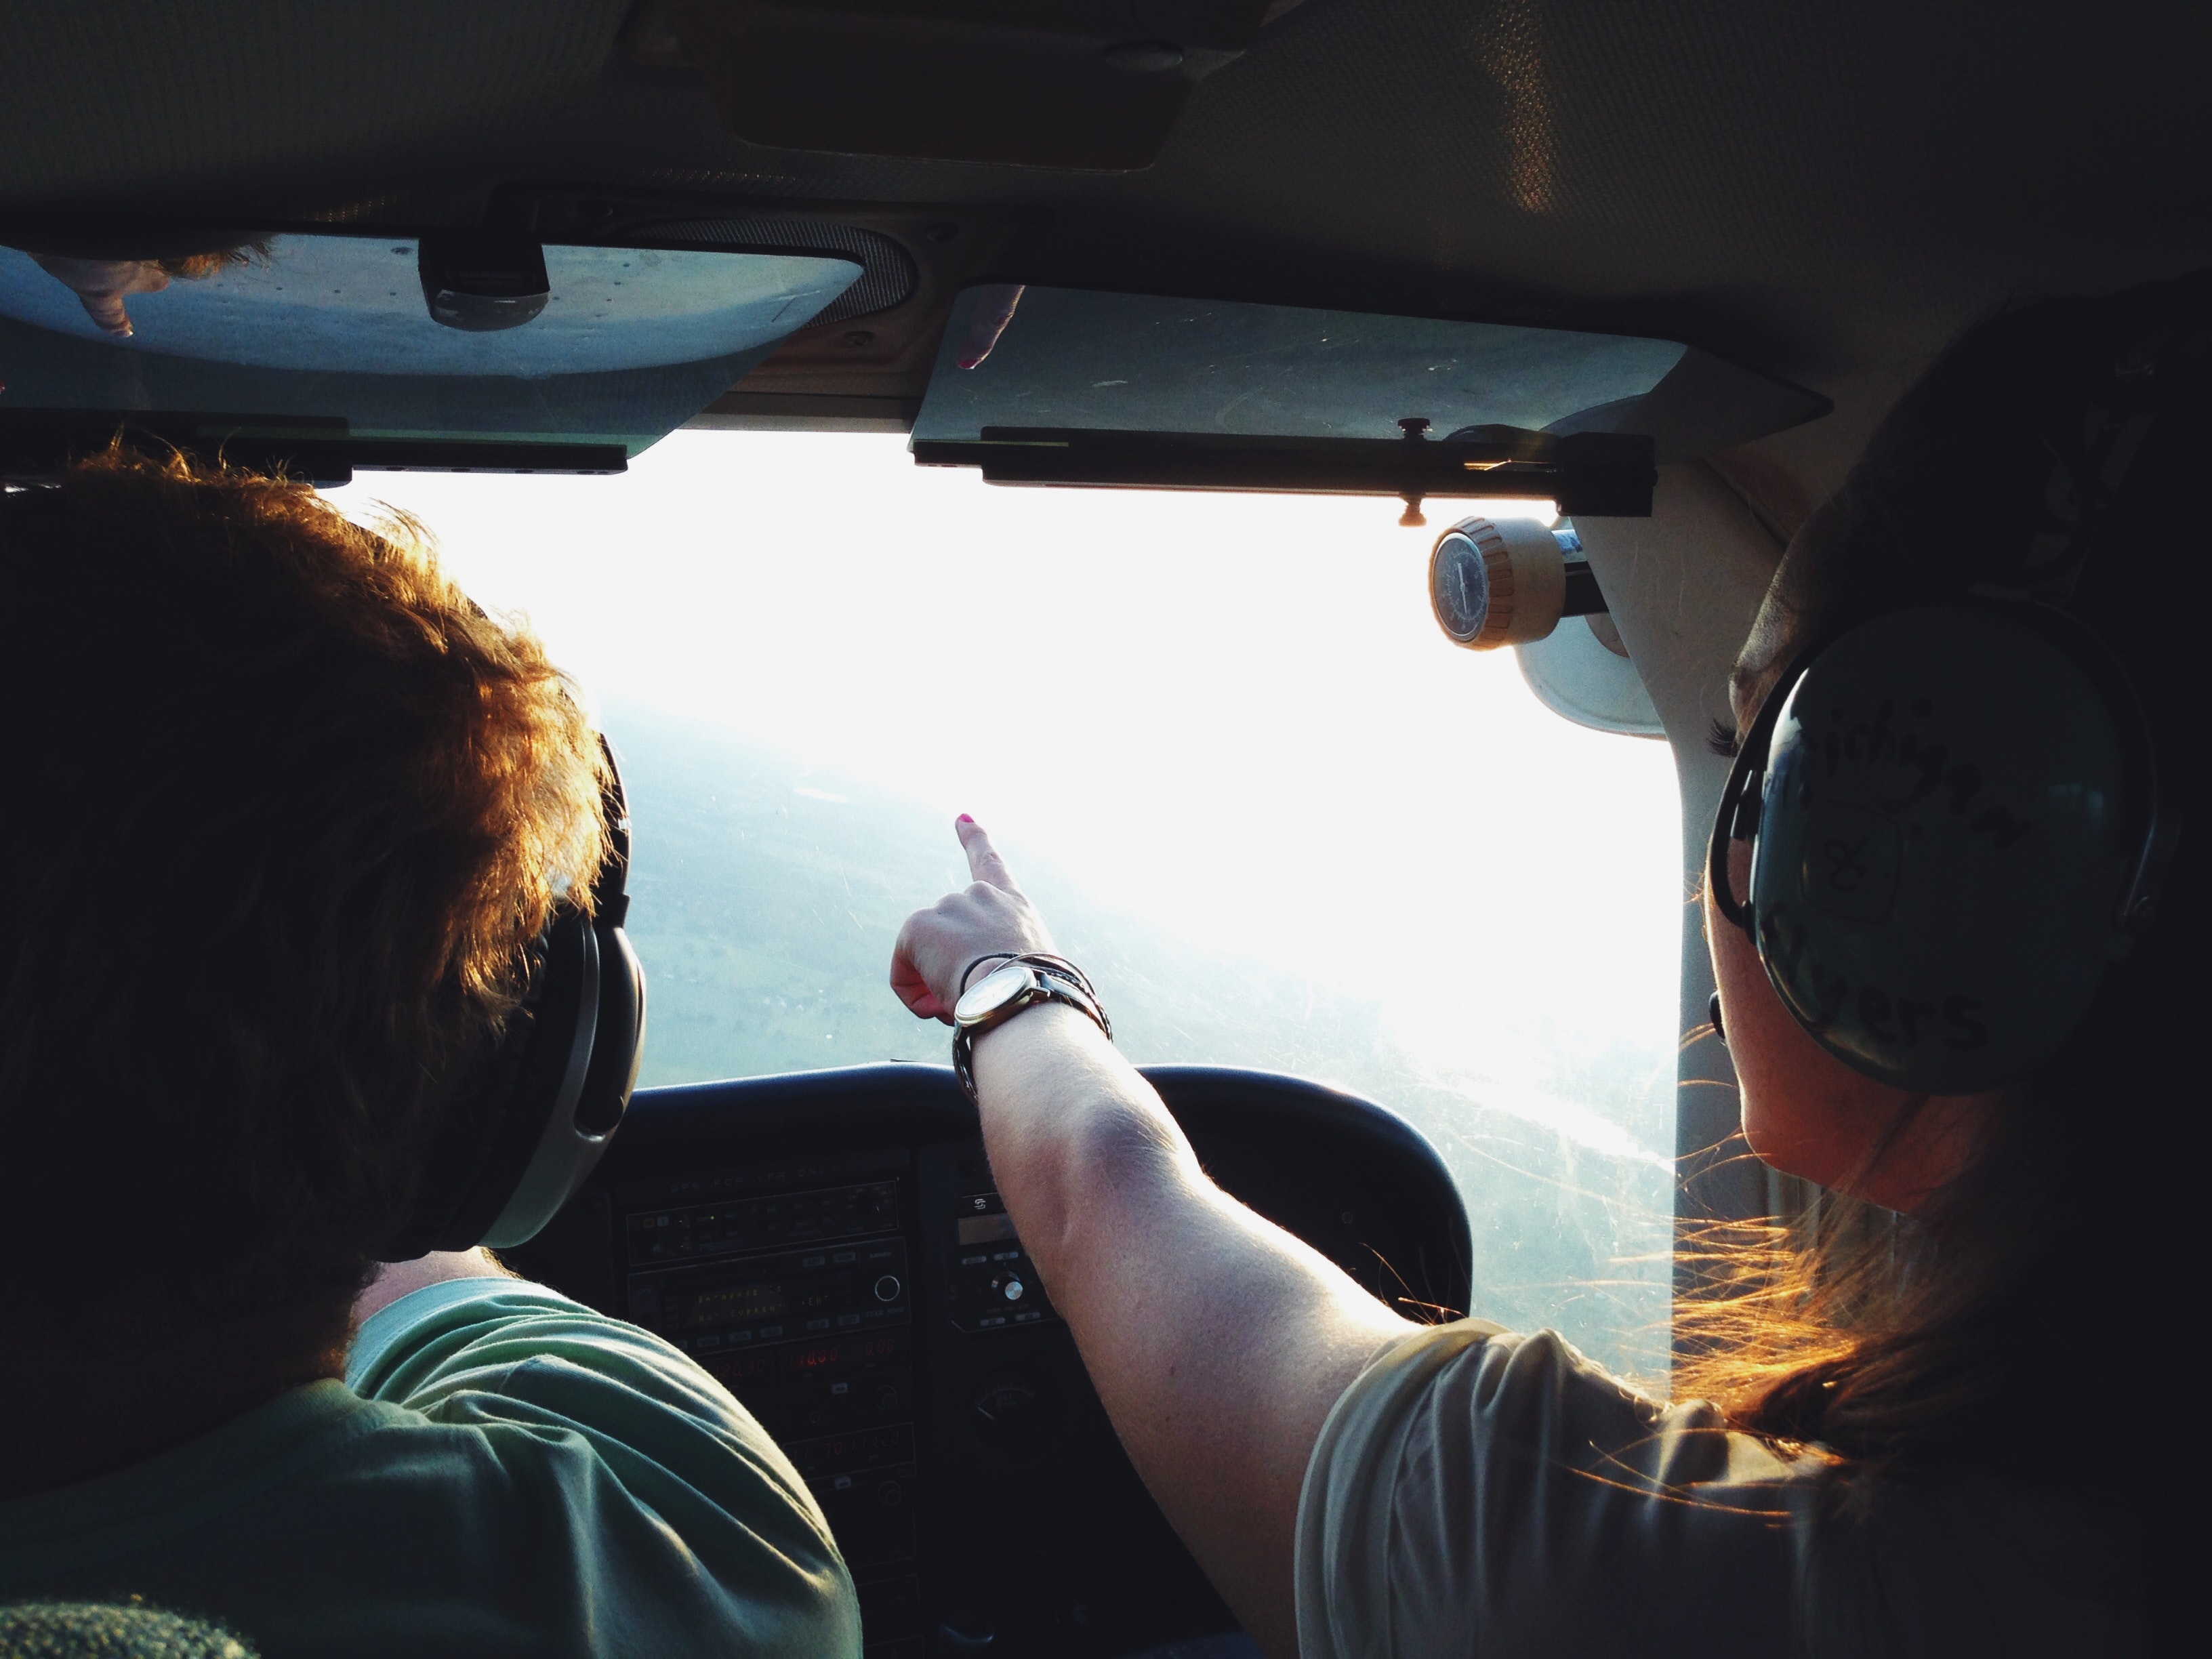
(521, 1194)
(493, 1127)
(619, 1042)
(1955, 799)
(520, 1143)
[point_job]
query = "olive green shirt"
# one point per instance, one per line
(502, 1472)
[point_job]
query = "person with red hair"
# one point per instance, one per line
(288, 812)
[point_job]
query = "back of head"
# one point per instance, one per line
(288, 810)
(1954, 487)
(1954, 481)
(2044, 1292)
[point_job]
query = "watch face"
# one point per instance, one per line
(994, 992)
(1459, 587)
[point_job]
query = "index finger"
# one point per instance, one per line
(984, 863)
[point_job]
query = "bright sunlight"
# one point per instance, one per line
(1283, 821)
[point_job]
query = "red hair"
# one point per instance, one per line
(288, 810)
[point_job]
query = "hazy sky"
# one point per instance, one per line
(1231, 716)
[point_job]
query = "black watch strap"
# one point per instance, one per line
(1053, 979)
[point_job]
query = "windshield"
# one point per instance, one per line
(1281, 820)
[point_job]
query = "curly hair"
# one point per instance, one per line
(288, 810)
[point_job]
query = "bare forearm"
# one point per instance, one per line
(1218, 1342)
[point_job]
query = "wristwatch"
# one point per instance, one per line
(1021, 983)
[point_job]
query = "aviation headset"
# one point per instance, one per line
(520, 1143)
(1953, 808)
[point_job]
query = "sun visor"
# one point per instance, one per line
(1041, 384)
(449, 349)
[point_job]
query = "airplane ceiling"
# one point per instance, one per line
(1813, 191)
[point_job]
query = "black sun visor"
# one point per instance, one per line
(1077, 386)
(456, 350)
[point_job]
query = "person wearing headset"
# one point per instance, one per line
(312, 983)
(1958, 938)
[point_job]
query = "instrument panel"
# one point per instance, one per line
(831, 1246)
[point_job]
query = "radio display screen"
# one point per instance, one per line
(726, 1305)
(984, 1229)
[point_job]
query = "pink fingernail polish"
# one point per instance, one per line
(964, 818)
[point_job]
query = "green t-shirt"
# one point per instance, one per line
(502, 1472)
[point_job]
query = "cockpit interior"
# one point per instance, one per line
(1581, 311)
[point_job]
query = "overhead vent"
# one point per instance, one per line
(1092, 84)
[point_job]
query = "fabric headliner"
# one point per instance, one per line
(1791, 186)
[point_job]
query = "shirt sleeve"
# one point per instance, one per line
(673, 1494)
(1479, 1493)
